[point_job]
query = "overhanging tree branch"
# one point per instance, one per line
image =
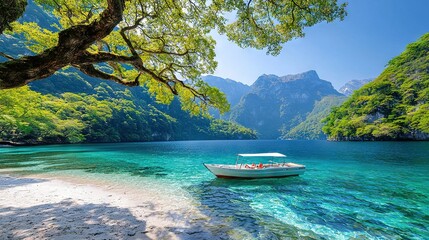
(72, 43)
(6, 56)
(90, 70)
(158, 40)
(88, 58)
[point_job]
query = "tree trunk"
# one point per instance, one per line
(72, 43)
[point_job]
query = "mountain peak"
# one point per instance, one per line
(309, 75)
(234, 90)
(353, 85)
(275, 104)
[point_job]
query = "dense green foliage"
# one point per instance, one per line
(394, 106)
(164, 46)
(108, 115)
(311, 127)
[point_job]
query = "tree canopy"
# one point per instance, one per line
(109, 114)
(164, 45)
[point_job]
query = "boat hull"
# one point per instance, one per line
(231, 171)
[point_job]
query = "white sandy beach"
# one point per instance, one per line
(46, 208)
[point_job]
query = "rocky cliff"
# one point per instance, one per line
(277, 104)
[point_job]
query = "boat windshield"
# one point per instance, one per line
(260, 155)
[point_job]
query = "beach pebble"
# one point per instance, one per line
(95, 233)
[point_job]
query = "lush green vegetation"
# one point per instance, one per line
(311, 127)
(106, 116)
(164, 46)
(393, 106)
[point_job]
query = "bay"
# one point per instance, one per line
(364, 190)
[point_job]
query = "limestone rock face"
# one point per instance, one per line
(233, 90)
(277, 104)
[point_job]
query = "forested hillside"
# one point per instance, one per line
(394, 106)
(107, 116)
(311, 127)
(71, 107)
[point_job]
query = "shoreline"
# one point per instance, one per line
(26, 144)
(41, 206)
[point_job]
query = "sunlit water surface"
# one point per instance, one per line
(364, 190)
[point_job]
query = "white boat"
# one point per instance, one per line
(272, 169)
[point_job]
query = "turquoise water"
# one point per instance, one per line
(363, 190)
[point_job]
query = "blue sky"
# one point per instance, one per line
(373, 32)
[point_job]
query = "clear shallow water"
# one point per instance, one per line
(371, 190)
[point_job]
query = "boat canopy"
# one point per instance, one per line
(261, 155)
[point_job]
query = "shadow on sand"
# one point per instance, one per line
(10, 182)
(68, 220)
(71, 219)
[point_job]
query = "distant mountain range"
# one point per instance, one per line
(288, 107)
(276, 104)
(273, 105)
(353, 85)
(233, 90)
